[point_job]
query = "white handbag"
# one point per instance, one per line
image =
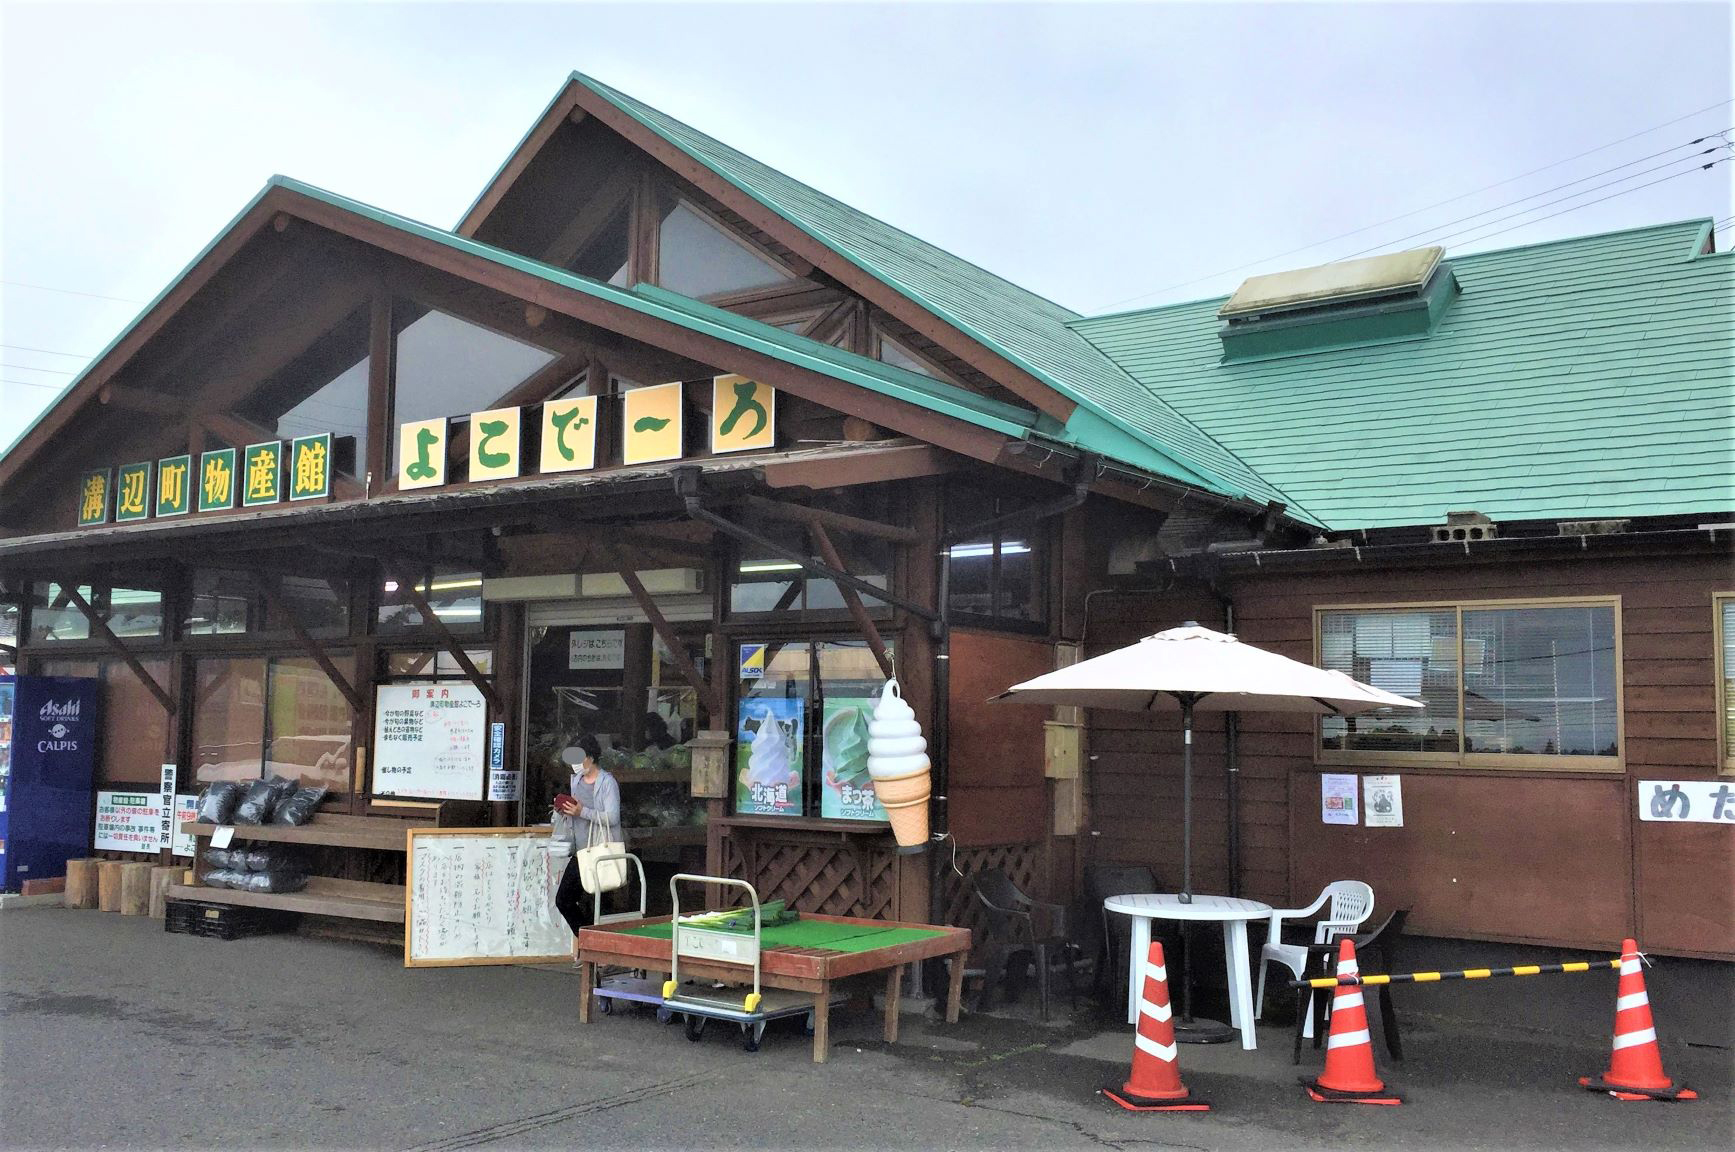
(595, 872)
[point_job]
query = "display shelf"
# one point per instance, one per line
(807, 824)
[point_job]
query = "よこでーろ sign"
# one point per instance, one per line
(494, 444)
(174, 493)
(651, 424)
(310, 467)
(217, 480)
(430, 740)
(132, 492)
(422, 453)
(262, 474)
(569, 434)
(94, 490)
(743, 415)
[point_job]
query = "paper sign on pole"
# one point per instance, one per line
(166, 808)
(1337, 795)
(506, 786)
(1687, 801)
(1383, 797)
(186, 808)
(430, 740)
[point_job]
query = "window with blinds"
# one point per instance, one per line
(1532, 684)
(1725, 610)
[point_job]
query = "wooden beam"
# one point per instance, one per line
(453, 648)
(308, 643)
(141, 400)
(101, 628)
(591, 218)
(884, 463)
(778, 510)
(851, 600)
(664, 631)
(561, 111)
(247, 365)
(376, 454)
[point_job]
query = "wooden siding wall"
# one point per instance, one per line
(997, 791)
(1549, 857)
(1134, 769)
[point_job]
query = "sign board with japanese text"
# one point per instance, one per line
(483, 896)
(1337, 797)
(596, 649)
(422, 453)
(651, 428)
(174, 490)
(743, 415)
(310, 467)
(166, 808)
(569, 434)
(495, 444)
(217, 480)
(127, 822)
(430, 740)
(262, 474)
(1688, 801)
(94, 491)
(132, 492)
(186, 809)
(1383, 801)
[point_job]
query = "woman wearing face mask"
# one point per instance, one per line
(590, 813)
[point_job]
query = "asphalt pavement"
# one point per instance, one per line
(115, 1034)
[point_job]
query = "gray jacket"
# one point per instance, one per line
(602, 808)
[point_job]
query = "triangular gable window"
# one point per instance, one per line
(323, 390)
(605, 257)
(697, 257)
(451, 367)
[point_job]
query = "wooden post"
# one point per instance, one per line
(108, 885)
(81, 883)
(162, 876)
(135, 888)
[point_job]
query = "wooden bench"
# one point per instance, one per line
(324, 895)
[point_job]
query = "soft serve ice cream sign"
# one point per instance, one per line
(768, 757)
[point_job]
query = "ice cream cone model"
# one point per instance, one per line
(898, 765)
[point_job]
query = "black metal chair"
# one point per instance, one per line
(1375, 951)
(1014, 928)
(1100, 882)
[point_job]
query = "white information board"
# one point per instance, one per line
(127, 822)
(483, 896)
(430, 740)
(596, 649)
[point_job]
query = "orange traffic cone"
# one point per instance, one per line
(1349, 1049)
(1635, 1070)
(1155, 1084)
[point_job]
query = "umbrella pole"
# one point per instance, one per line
(1187, 800)
(1187, 1029)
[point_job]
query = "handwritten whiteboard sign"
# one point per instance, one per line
(483, 896)
(430, 740)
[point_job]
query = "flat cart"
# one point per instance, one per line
(626, 986)
(811, 958)
(700, 1002)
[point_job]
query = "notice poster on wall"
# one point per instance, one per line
(430, 740)
(127, 822)
(848, 792)
(768, 756)
(596, 650)
(186, 808)
(1337, 797)
(1383, 797)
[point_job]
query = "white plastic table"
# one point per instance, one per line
(1231, 911)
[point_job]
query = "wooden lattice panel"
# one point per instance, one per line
(1022, 862)
(836, 879)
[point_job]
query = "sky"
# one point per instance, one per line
(1108, 156)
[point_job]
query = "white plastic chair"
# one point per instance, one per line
(1352, 902)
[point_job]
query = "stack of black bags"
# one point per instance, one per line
(267, 868)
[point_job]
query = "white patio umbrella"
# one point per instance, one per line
(1198, 670)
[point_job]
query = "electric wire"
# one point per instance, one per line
(34, 384)
(34, 368)
(1439, 204)
(72, 292)
(1436, 235)
(47, 351)
(1598, 200)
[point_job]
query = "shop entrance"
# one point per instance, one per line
(615, 681)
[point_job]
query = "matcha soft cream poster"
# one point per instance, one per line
(848, 793)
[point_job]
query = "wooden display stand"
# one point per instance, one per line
(81, 883)
(108, 884)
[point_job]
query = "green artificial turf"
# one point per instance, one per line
(815, 934)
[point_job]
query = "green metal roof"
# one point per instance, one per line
(1115, 416)
(1576, 379)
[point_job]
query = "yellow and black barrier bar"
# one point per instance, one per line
(1461, 974)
